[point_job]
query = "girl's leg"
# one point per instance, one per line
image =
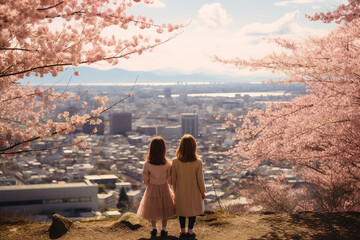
(164, 223)
(153, 224)
(164, 233)
(191, 224)
(154, 230)
(182, 224)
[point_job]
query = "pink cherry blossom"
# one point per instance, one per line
(31, 46)
(318, 134)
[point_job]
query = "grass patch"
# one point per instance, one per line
(215, 218)
(14, 219)
(101, 220)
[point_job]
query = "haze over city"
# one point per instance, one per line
(268, 89)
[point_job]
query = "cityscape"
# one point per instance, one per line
(160, 119)
(67, 180)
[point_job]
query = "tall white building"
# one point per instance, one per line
(74, 198)
(189, 124)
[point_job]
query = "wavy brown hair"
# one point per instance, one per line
(186, 151)
(157, 151)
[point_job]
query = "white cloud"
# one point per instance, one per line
(214, 15)
(285, 3)
(191, 50)
(157, 4)
(285, 25)
(316, 7)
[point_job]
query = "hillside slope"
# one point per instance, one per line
(211, 226)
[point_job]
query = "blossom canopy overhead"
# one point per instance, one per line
(318, 133)
(39, 37)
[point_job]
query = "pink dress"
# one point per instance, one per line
(158, 200)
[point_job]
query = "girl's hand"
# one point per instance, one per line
(203, 196)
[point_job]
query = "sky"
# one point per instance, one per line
(226, 28)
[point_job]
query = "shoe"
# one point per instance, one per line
(192, 235)
(164, 233)
(182, 235)
(153, 233)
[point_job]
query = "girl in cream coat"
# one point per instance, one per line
(188, 184)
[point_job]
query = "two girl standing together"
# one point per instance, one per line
(185, 174)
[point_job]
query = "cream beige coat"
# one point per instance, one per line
(188, 185)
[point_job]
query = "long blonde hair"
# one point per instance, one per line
(186, 151)
(157, 151)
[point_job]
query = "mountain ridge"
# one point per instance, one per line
(118, 75)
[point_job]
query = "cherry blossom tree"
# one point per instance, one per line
(39, 37)
(318, 133)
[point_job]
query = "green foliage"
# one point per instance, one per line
(14, 219)
(110, 186)
(78, 180)
(123, 199)
(103, 172)
(101, 188)
(100, 220)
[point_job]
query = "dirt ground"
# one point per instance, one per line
(212, 226)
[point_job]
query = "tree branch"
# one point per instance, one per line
(47, 8)
(86, 61)
(17, 49)
(4, 151)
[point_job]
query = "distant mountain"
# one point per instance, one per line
(117, 75)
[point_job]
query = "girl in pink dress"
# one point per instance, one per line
(158, 200)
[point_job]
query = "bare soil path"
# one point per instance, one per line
(208, 227)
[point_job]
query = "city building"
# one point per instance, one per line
(71, 199)
(167, 92)
(120, 123)
(102, 179)
(147, 130)
(134, 195)
(107, 200)
(183, 97)
(112, 214)
(77, 171)
(135, 139)
(169, 132)
(125, 185)
(88, 129)
(189, 124)
(7, 181)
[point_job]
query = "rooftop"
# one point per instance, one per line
(43, 186)
(100, 177)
